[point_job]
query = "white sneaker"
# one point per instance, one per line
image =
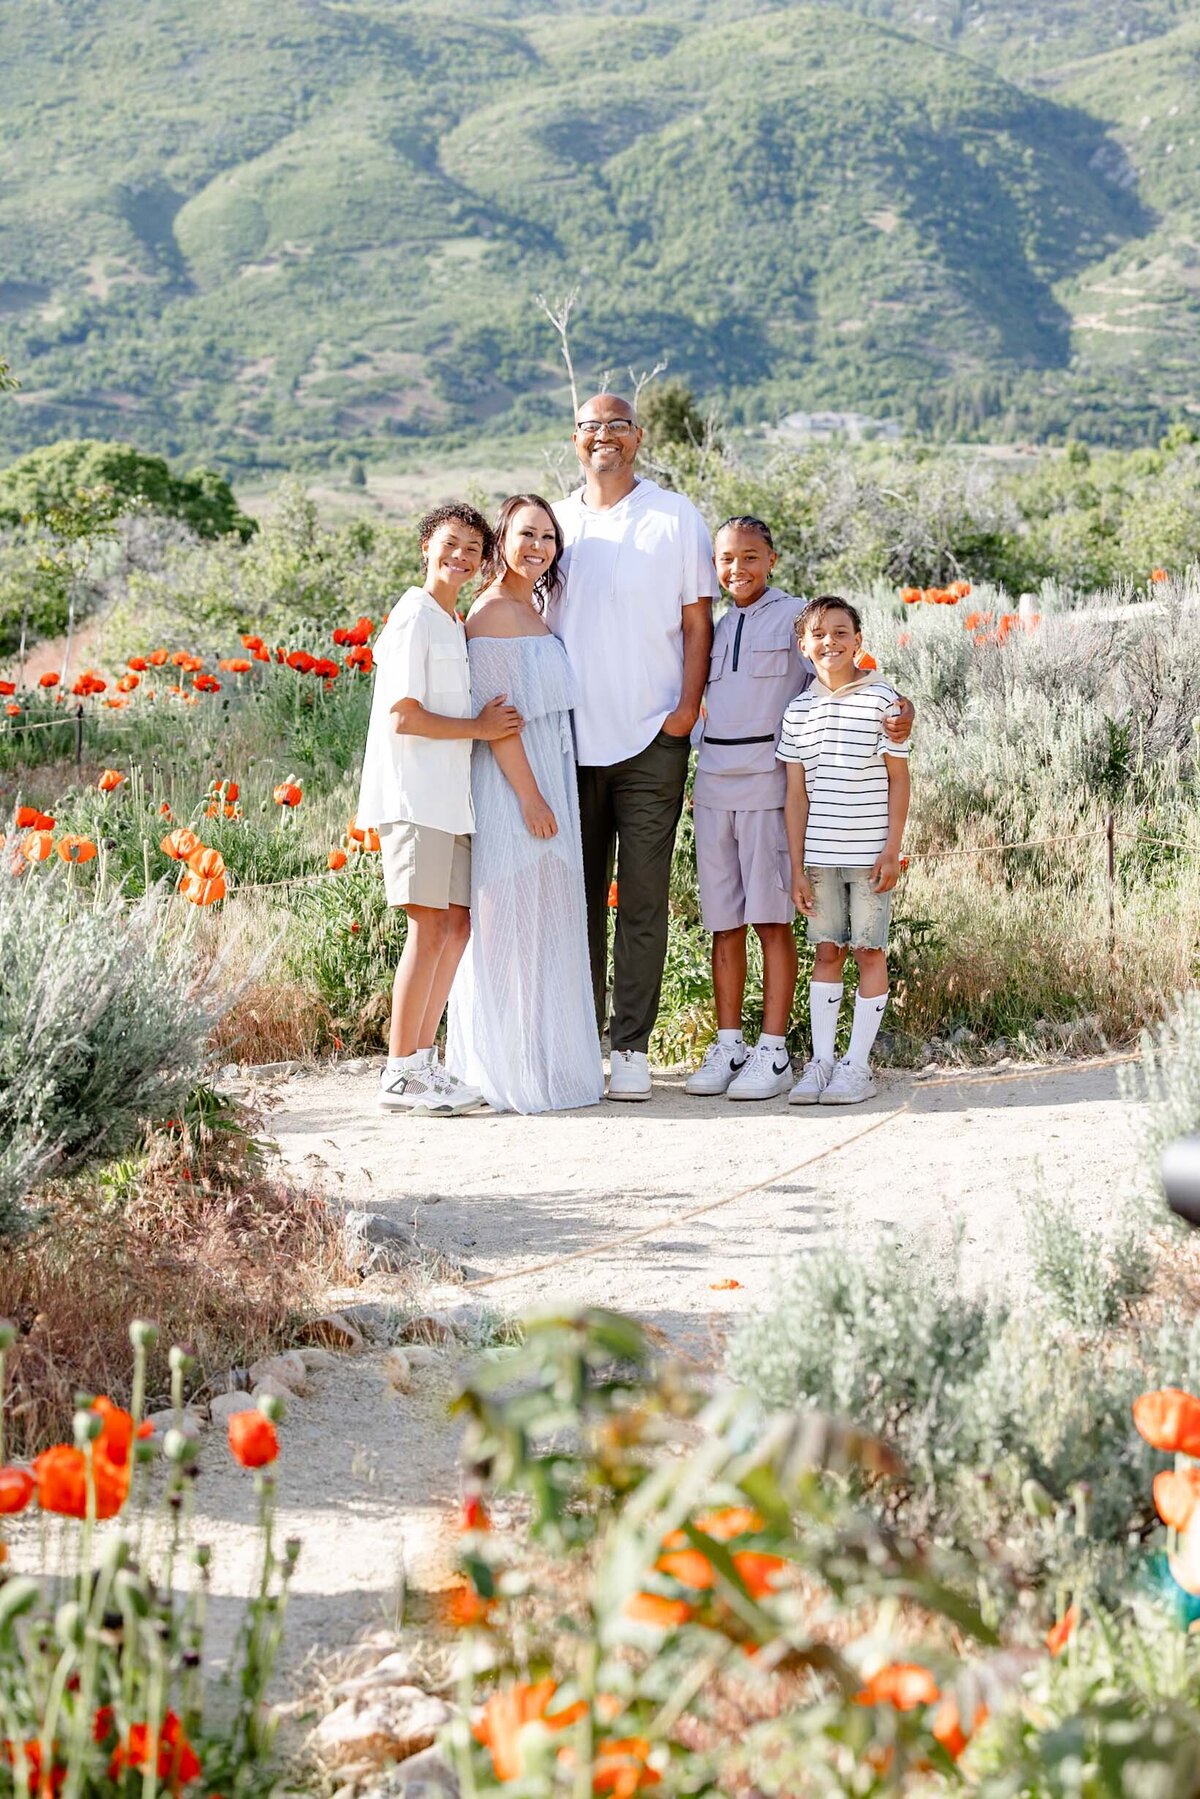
(447, 1096)
(721, 1062)
(767, 1073)
(812, 1084)
(629, 1074)
(401, 1089)
(848, 1084)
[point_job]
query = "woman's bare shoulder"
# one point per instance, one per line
(498, 615)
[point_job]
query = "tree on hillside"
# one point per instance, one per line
(8, 381)
(668, 413)
(51, 480)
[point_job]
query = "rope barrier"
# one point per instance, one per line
(782, 1174)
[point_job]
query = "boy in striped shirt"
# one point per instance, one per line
(845, 811)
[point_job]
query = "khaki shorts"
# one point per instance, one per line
(425, 867)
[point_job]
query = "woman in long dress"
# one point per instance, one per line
(522, 1025)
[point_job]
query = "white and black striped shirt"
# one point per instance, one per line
(838, 736)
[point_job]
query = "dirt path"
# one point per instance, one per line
(504, 1194)
(368, 1478)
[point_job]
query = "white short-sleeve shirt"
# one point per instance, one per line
(629, 570)
(420, 654)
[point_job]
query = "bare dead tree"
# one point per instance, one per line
(642, 381)
(559, 311)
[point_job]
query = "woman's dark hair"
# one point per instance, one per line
(744, 522)
(546, 585)
(456, 513)
(816, 609)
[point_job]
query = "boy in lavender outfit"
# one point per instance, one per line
(742, 861)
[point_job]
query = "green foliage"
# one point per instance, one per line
(48, 482)
(882, 220)
(103, 1025)
(1165, 1085)
(1088, 1281)
(669, 415)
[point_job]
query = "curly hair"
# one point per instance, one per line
(547, 583)
(457, 512)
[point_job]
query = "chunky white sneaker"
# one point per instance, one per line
(447, 1096)
(722, 1061)
(768, 1072)
(812, 1084)
(402, 1089)
(629, 1074)
(848, 1084)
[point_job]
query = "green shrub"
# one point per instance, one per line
(1164, 1086)
(1089, 1281)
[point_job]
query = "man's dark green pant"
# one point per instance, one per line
(634, 805)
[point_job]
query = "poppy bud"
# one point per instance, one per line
(272, 1408)
(143, 1334)
(88, 1426)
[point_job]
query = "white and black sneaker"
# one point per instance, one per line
(401, 1089)
(722, 1061)
(768, 1072)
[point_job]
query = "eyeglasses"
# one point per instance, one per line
(614, 427)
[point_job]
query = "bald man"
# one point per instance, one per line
(635, 615)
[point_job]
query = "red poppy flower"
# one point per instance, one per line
(904, 1685)
(109, 781)
(179, 844)
(288, 794)
(252, 1439)
(16, 1490)
(49, 679)
(337, 859)
(1169, 1419)
(8, 687)
(166, 1751)
(1060, 1634)
(506, 1714)
(76, 849)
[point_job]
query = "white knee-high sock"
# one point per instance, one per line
(868, 1015)
(824, 1004)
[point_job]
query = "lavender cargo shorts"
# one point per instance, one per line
(743, 868)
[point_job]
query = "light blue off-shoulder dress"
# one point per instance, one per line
(522, 1023)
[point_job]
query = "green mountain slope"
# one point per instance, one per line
(277, 234)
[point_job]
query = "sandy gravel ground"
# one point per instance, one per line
(504, 1194)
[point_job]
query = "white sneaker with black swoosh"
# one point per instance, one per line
(768, 1072)
(722, 1061)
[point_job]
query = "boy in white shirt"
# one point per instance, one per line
(416, 792)
(845, 811)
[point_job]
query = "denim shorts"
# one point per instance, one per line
(847, 912)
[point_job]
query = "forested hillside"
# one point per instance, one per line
(282, 235)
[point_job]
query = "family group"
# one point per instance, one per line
(514, 761)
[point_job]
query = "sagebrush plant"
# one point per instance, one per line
(978, 1395)
(1163, 1087)
(104, 1024)
(1089, 1279)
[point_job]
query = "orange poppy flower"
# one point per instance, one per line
(202, 890)
(612, 895)
(157, 658)
(354, 831)
(726, 1286)
(759, 1572)
(49, 679)
(206, 863)
(76, 849)
(1169, 1419)
(288, 794)
(128, 683)
(252, 1439)
(179, 844)
(109, 781)
(235, 665)
(229, 789)
(27, 819)
(867, 664)
(464, 1608)
(652, 1608)
(13, 710)
(621, 1767)
(904, 1685)
(947, 1727)
(362, 658)
(61, 1476)
(1159, 574)
(7, 687)
(690, 1567)
(138, 664)
(910, 595)
(37, 846)
(1060, 1634)
(506, 1714)
(166, 1751)
(1176, 1495)
(370, 841)
(474, 1513)
(337, 859)
(118, 1433)
(206, 684)
(16, 1490)
(253, 643)
(47, 1785)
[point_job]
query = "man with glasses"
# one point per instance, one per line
(635, 614)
